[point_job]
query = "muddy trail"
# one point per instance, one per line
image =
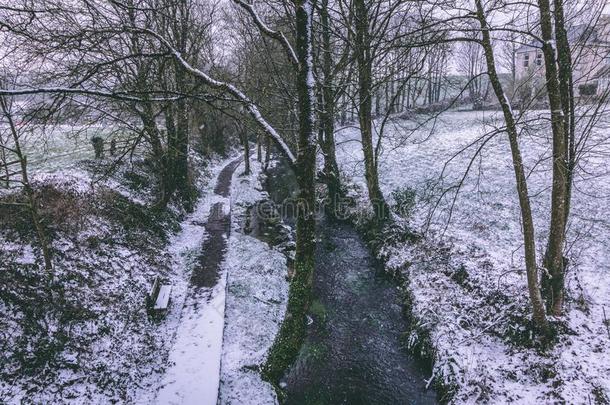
(218, 227)
(354, 351)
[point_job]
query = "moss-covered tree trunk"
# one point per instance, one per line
(553, 283)
(292, 332)
(181, 142)
(153, 137)
(178, 134)
(246, 144)
(170, 156)
(259, 147)
(267, 153)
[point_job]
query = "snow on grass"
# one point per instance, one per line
(467, 280)
(257, 293)
(53, 148)
(88, 336)
(93, 341)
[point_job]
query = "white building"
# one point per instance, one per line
(590, 46)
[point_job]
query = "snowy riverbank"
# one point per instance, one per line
(466, 280)
(257, 292)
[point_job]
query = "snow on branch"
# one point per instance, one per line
(229, 88)
(277, 35)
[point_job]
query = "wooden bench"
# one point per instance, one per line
(158, 297)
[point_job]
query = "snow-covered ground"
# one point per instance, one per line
(257, 292)
(467, 280)
(249, 300)
(93, 341)
(127, 356)
(89, 339)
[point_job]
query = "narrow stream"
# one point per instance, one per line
(353, 352)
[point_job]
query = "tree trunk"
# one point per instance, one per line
(259, 148)
(378, 103)
(538, 311)
(344, 102)
(388, 96)
(553, 282)
(327, 117)
(170, 160)
(267, 152)
(292, 332)
(181, 142)
(153, 136)
(364, 61)
(566, 85)
(246, 143)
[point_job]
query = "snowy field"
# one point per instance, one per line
(475, 355)
(54, 148)
(466, 280)
(141, 348)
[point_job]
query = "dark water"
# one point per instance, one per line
(353, 352)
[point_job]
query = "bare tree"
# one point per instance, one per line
(538, 309)
(14, 148)
(471, 63)
(365, 51)
(292, 332)
(330, 88)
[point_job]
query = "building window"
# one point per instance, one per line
(539, 59)
(526, 60)
(588, 89)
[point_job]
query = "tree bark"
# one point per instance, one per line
(170, 160)
(259, 148)
(566, 84)
(553, 282)
(292, 332)
(538, 310)
(153, 136)
(246, 144)
(181, 141)
(327, 117)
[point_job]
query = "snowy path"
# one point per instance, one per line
(194, 372)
